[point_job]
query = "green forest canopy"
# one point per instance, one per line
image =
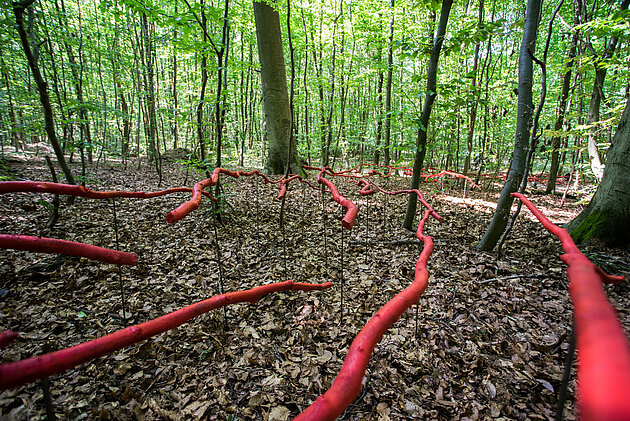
(98, 58)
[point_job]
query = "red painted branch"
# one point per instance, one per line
(454, 174)
(603, 375)
(283, 185)
(352, 210)
(185, 208)
(25, 371)
(72, 190)
(347, 385)
(420, 198)
(7, 337)
(54, 246)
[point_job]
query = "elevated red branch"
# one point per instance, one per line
(7, 337)
(283, 185)
(453, 174)
(72, 190)
(347, 385)
(409, 191)
(603, 374)
(54, 246)
(25, 371)
(185, 208)
(352, 210)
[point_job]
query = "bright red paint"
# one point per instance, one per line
(54, 246)
(25, 371)
(603, 375)
(347, 385)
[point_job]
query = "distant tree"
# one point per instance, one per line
(523, 126)
(18, 10)
(607, 216)
(431, 94)
(274, 88)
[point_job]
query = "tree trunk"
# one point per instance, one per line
(562, 106)
(18, 11)
(473, 106)
(388, 88)
(429, 98)
(274, 90)
(607, 216)
(523, 125)
(597, 96)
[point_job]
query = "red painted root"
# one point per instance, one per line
(454, 174)
(185, 208)
(283, 185)
(72, 190)
(603, 374)
(351, 214)
(347, 385)
(7, 337)
(54, 246)
(21, 372)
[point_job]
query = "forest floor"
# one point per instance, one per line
(492, 333)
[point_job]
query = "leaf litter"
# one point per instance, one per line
(492, 333)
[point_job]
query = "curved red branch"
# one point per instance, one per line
(454, 174)
(603, 374)
(347, 385)
(185, 208)
(72, 190)
(352, 210)
(54, 246)
(25, 371)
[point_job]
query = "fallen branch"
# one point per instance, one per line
(54, 246)
(352, 210)
(603, 374)
(347, 385)
(185, 208)
(81, 191)
(21, 372)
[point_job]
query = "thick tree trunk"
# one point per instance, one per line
(597, 96)
(18, 11)
(274, 88)
(523, 125)
(430, 96)
(607, 216)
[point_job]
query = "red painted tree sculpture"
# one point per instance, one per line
(603, 375)
(25, 371)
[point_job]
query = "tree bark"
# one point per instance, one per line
(388, 88)
(18, 11)
(607, 216)
(596, 98)
(562, 106)
(431, 94)
(523, 125)
(274, 90)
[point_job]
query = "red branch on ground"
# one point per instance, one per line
(185, 208)
(603, 374)
(367, 190)
(347, 385)
(352, 210)
(54, 246)
(21, 372)
(283, 185)
(454, 174)
(7, 337)
(72, 190)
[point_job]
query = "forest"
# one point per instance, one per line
(161, 162)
